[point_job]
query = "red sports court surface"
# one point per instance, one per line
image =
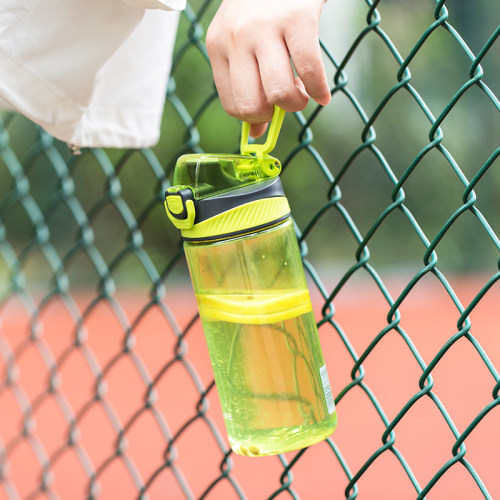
(462, 383)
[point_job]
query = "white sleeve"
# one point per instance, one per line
(90, 72)
(158, 4)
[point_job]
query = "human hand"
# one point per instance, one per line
(250, 44)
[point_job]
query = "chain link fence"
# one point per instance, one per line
(105, 385)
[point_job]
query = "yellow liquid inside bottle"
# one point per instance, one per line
(269, 370)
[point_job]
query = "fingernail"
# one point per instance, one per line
(301, 87)
(324, 100)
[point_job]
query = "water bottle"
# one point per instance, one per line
(254, 304)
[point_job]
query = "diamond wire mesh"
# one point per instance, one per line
(105, 388)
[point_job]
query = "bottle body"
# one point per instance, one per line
(263, 341)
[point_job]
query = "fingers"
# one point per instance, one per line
(252, 46)
(305, 52)
(249, 101)
(257, 129)
(240, 87)
(277, 77)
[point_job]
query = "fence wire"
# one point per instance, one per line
(105, 387)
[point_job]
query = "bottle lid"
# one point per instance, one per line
(219, 195)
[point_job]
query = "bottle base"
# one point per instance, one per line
(265, 442)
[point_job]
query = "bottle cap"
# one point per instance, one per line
(216, 196)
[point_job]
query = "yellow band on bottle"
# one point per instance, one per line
(257, 309)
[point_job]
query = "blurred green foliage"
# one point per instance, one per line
(331, 148)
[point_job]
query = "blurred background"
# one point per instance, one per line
(394, 191)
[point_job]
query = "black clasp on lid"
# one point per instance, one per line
(179, 204)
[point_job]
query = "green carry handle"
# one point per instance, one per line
(272, 135)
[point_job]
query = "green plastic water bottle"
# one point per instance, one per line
(251, 290)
